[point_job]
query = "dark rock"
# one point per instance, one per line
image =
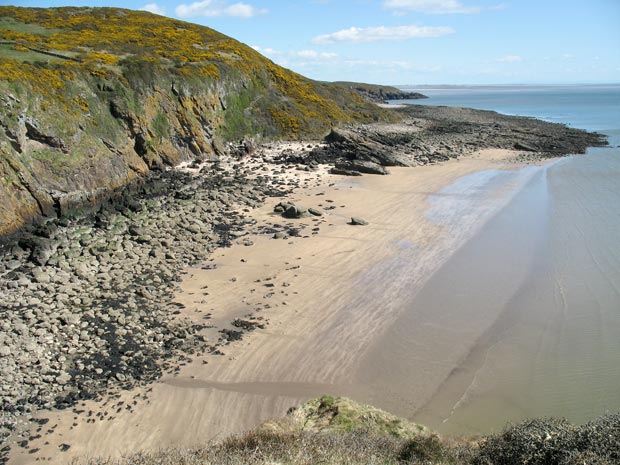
(523, 146)
(231, 335)
(295, 211)
(362, 166)
(356, 221)
(136, 230)
(343, 172)
(134, 206)
(314, 212)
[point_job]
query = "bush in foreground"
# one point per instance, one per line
(553, 442)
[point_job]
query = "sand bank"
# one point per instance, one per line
(325, 299)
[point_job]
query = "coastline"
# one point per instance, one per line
(314, 312)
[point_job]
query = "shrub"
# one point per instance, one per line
(539, 441)
(425, 450)
(601, 436)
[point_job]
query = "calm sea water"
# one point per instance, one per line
(595, 108)
(547, 266)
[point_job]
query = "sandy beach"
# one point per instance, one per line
(323, 298)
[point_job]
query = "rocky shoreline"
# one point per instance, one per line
(87, 304)
(433, 134)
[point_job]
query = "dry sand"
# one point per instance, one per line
(326, 298)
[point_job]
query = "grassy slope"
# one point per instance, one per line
(110, 42)
(92, 98)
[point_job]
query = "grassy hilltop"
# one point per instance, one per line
(92, 98)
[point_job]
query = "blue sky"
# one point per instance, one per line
(414, 41)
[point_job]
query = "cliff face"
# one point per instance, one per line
(92, 99)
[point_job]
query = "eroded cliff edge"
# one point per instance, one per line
(92, 99)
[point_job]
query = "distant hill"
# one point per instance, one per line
(93, 98)
(379, 94)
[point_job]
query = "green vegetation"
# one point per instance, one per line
(160, 125)
(339, 414)
(139, 49)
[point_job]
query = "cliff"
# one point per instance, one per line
(92, 99)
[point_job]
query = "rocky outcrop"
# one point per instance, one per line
(433, 134)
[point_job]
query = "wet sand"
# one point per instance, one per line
(555, 348)
(330, 300)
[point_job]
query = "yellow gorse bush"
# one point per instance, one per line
(108, 43)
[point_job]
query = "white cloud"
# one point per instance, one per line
(373, 34)
(154, 8)
(438, 7)
(296, 57)
(314, 54)
(510, 59)
(265, 51)
(214, 8)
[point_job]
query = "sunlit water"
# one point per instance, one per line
(546, 268)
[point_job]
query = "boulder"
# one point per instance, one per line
(343, 172)
(356, 221)
(362, 166)
(522, 146)
(295, 211)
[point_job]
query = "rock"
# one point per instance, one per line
(343, 172)
(295, 211)
(41, 277)
(63, 379)
(134, 206)
(356, 221)
(362, 166)
(41, 256)
(136, 230)
(523, 146)
(314, 212)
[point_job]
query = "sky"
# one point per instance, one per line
(413, 42)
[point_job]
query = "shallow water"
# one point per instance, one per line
(531, 304)
(555, 347)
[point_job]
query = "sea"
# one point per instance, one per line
(547, 265)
